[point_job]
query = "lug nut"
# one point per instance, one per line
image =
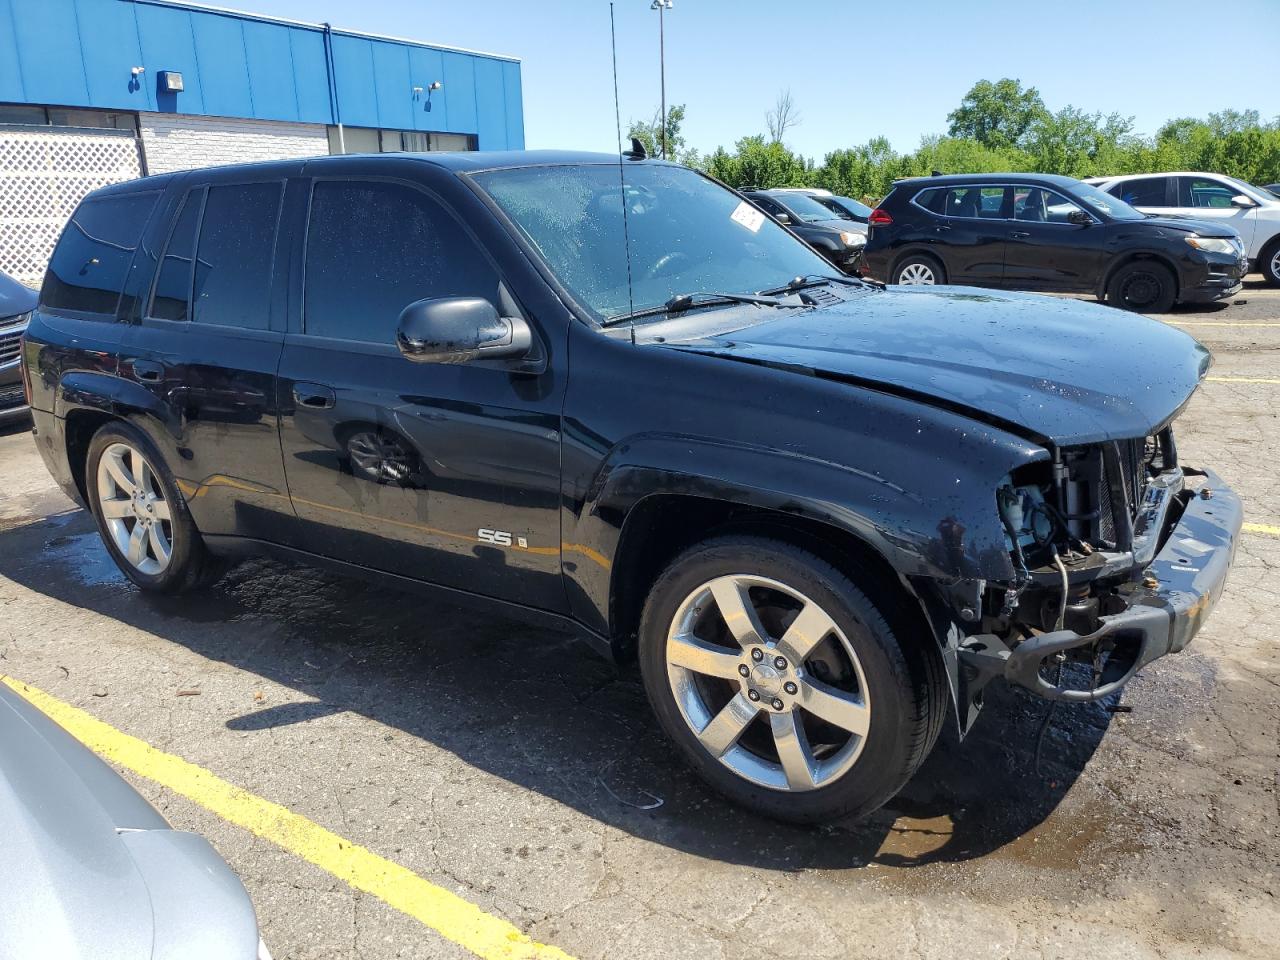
(777, 704)
(790, 687)
(1150, 583)
(780, 662)
(757, 655)
(744, 670)
(752, 695)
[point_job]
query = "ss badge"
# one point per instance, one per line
(500, 538)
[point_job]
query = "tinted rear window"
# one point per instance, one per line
(173, 286)
(1147, 192)
(88, 267)
(235, 254)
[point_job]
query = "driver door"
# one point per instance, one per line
(446, 473)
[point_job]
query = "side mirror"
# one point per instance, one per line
(1079, 217)
(782, 218)
(1240, 200)
(459, 330)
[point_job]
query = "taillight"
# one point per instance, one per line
(879, 218)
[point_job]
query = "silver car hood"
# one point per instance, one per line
(88, 869)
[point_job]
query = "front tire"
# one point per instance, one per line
(1144, 286)
(1269, 263)
(142, 518)
(918, 269)
(783, 683)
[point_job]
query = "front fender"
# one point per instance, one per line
(942, 526)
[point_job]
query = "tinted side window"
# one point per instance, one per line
(969, 202)
(373, 248)
(173, 285)
(234, 258)
(931, 200)
(1199, 192)
(1144, 192)
(88, 267)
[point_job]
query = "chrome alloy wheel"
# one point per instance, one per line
(917, 273)
(768, 683)
(1274, 266)
(134, 508)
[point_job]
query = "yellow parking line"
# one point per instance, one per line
(1243, 379)
(1263, 528)
(444, 912)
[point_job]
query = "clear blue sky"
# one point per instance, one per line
(855, 69)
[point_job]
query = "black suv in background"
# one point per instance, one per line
(1050, 233)
(616, 396)
(828, 232)
(16, 303)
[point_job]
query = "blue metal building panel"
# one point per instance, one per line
(109, 47)
(310, 76)
(513, 98)
(223, 67)
(269, 63)
(353, 71)
(460, 91)
(80, 53)
(392, 86)
(425, 68)
(49, 53)
(168, 44)
(490, 105)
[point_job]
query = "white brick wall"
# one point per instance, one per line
(181, 142)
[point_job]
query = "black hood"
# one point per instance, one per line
(15, 298)
(1203, 228)
(1050, 369)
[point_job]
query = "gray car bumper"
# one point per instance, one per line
(1180, 587)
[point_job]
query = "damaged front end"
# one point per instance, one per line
(1119, 554)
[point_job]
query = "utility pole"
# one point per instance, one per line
(662, 6)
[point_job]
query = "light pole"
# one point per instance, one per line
(662, 6)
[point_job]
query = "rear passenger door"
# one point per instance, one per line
(970, 230)
(207, 344)
(446, 473)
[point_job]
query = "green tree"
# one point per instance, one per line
(757, 162)
(650, 134)
(997, 114)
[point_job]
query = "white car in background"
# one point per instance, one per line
(1252, 211)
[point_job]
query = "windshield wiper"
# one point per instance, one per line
(810, 280)
(688, 301)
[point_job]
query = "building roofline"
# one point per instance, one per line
(311, 25)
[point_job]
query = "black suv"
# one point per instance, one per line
(828, 232)
(822, 515)
(1040, 232)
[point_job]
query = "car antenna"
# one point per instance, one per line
(622, 178)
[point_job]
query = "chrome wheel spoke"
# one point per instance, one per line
(838, 707)
(693, 654)
(737, 611)
(724, 729)
(138, 544)
(807, 630)
(161, 510)
(793, 750)
(159, 543)
(116, 509)
(119, 473)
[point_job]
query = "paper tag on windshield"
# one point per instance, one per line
(748, 216)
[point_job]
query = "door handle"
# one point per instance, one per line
(1018, 234)
(148, 371)
(313, 396)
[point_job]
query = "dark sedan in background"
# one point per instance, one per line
(16, 304)
(1048, 233)
(834, 237)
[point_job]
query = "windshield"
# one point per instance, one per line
(687, 234)
(1249, 190)
(803, 206)
(847, 207)
(1113, 207)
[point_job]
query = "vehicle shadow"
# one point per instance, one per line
(539, 709)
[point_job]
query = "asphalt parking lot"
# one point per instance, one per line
(513, 768)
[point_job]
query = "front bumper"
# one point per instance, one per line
(13, 402)
(1189, 573)
(1220, 277)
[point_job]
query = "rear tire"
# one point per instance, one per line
(840, 721)
(918, 269)
(1269, 262)
(141, 516)
(1144, 286)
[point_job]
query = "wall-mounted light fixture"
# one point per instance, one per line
(170, 81)
(135, 71)
(434, 85)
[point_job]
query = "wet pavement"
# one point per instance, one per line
(513, 766)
